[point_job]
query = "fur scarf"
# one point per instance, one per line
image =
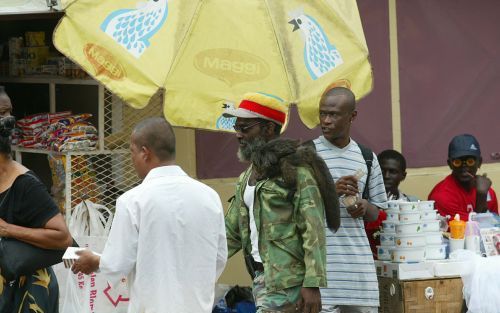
(281, 157)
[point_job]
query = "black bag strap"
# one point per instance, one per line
(3, 200)
(9, 214)
(368, 156)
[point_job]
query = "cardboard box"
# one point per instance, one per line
(70, 256)
(36, 56)
(403, 271)
(34, 39)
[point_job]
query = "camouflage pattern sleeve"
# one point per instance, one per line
(232, 217)
(310, 219)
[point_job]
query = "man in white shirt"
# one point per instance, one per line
(168, 233)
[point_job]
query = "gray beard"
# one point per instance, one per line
(245, 153)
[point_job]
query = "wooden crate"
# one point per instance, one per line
(391, 296)
(409, 296)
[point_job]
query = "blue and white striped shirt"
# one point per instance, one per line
(350, 268)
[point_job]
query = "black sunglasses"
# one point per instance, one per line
(244, 129)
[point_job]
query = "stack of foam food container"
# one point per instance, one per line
(435, 249)
(411, 233)
(388, 232)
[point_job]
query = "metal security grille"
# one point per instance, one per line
(119, 120)
(101, 176)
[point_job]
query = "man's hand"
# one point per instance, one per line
(363, 208)
(347, 185)
(310, 300)
(359, 209)
(483, 184)
(87, 263)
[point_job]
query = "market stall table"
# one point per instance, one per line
(433, 286)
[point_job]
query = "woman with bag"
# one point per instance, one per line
(27, 215)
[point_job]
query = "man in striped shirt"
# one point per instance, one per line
(351, 277)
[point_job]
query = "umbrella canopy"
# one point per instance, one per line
(200, 56)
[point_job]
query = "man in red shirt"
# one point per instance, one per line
(463, 191)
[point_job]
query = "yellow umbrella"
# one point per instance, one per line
(200, 56)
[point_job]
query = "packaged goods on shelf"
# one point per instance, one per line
(83, 180)
(48, 69)
(35, 58)
(66, 67)
(31, 56)
(60, 131)
(17, 65)
(16, 45)
(84, 177)
(56, 164)
(34, 39)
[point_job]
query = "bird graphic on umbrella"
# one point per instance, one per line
(320, 56)
(226, 123)
(132, 28)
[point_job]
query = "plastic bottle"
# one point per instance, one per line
(472, 234)
(457, 228)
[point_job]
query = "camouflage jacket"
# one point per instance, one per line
(291, 231)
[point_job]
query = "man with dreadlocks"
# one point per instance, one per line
(277, 215)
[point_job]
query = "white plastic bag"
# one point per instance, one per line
(92, 293)
(89, 224)
(481, 282)
(89, 219)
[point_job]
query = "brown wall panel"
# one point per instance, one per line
(373, 126)
(449, 58)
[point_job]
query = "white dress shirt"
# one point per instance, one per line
(168, 236)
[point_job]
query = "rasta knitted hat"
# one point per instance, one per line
(260, 105)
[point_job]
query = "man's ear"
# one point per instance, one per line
(479, 161)
(269, 129)
(353, 115)
(404, 176)
(146, 153)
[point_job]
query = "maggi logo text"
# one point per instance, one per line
(231, 66)
(104, 62)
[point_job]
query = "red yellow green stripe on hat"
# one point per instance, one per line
(260, 105)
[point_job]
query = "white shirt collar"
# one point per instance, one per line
(161, 171)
